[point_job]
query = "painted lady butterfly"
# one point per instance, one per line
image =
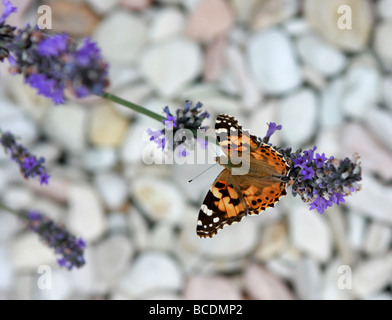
(234, 196)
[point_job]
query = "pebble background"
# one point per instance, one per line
(259, 60)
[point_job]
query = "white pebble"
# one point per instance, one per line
(171, 65)
(271, 57)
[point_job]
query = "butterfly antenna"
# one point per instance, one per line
(189, 181)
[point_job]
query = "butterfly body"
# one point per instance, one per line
(250, 182)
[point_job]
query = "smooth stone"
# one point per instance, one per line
(214, 59)
(56, 190)
(315, 52)
(136, 5)
(107, 127)
(377, 239)
(387, 92)
(51, 152)
(269, 112)
(136, 142)
(171, 65)
(249, 91)
(60, 287)
(384, 9)
(301, 106)
(331, 103)
(152, 271)
(261, 284)
(284, 265)
(9, 226)
(85, 212)
(234, 241)
(18, 198)
(274, 73)
(6, 270)
(102, 7)
(228, 242)
(65, 124)
(112, 258)
(27, 251)
(211, 287)
(99, 159)
(168, 23)
(76, 19)
(381, 44)
(85, 280)
(362, 91)
(24, 286)
(244, 10)
(209, 20)
(271, 12)
(328, 142)
(274, 240)
(159, 199)
(379, 122)
(211, 97)
(332, 278)
(138, 229)
(307, 279)
(117, 222)
(314, 78)
(50, 208)
(121, 78)
(374, 156)
(138, 93)
(371, 276)
(373, 200)
(161, 237)
(324, 17)
(21, 126)
(122, 48)
(305, 224)
(339, 225)
(297, 27)
(356, 230)
(112, 189)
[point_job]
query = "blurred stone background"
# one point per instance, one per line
(285, 61)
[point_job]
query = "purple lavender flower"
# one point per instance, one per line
(158, 137)
(189, 118)
(53, 63)
(58, 238)
(320, 204)
(30, 166)
(307, 173)
(53, 46)
(272, 127)
(322, 181)
(8, 9)
(6, 31)
(320, 160)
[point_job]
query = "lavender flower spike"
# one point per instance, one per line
(67, 246)
(8, 9)
(30, 166)
(52, 63)
(188, 117)
(321, 181)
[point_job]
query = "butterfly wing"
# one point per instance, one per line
(262, 187)
(223, 205)
(232, 137)
(232, 197)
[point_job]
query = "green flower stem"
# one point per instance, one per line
(133, 106)
(147, 112)
(12, 211)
